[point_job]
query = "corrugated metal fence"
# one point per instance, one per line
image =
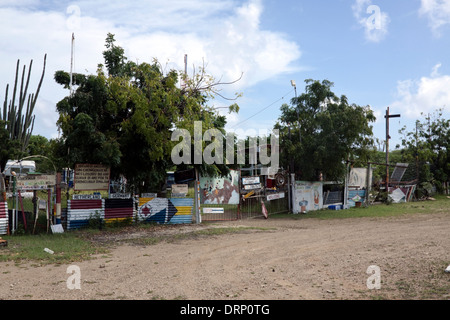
(80, 211)
(157, 210)
(3, 217)
(166, 210)
(119, 210)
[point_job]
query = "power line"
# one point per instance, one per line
(263, 109)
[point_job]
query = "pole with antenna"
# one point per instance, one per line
(71, 64)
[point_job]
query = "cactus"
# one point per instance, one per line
(20, 123)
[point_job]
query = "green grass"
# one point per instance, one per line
(209, 232)
(440, 205)
(67, 247)
(76, 246)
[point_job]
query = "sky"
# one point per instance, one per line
(381, 53)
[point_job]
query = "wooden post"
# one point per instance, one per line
(387, 116)
(58, 198)
(368, 184)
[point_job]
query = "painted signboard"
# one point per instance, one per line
(308, 196)
(91, 177)
(96, 196)
(35, 181)
(180, 188)
(165, 210)
(275, 196)
(220, 190)
(358, 177)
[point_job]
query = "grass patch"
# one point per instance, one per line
(67, 247)
(440, 205)
(209, 232)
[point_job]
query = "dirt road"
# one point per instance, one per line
(276, 260)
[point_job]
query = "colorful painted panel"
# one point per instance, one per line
(308, 196)
(118, 210)
(80, 211)
(355, 196)
(3, 217)
(166, 210)
(220, 190)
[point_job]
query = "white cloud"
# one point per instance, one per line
(423, 96)
(437, 12)
(374, 21)
(227, 35)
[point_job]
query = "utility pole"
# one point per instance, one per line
(388, 116)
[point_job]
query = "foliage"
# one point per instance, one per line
(8, 148)
(126, 115)
(19, 121)
(429, 145)
(321, 131)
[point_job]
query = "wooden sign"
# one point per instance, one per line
(91, 177)
(180, 188)
(149, 195)
(213, 210)
(35, 181)
(250, 180)
(275, 196)
(120, 196)
(252, 186)
(86, 197)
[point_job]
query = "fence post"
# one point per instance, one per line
(197, 197)
(368, 184)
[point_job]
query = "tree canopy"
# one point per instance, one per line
(428, 145)
(321, 131)
(123, 117)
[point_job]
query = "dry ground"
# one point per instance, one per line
(275, 260)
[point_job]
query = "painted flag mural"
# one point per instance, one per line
(166, 210)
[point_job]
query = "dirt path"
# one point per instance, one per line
(278, 260)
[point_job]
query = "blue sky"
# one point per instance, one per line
(400, 60)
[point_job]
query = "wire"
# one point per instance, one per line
(263, 109)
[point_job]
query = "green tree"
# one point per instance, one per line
(124, 117)
(321, 131)
(428, 144)
(9, 149)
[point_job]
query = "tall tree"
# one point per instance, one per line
(428, 145)
(126, 115)
(321, 131)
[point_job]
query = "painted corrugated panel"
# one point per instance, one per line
(3, 210)
(182, 219)
(166, 211)
(143, 201)
(119, 209)
(86, 204)
(3, 217)
(80, 211)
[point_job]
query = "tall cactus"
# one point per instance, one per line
(20, 124)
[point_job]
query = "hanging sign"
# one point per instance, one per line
(275, 196)
(250, 180)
